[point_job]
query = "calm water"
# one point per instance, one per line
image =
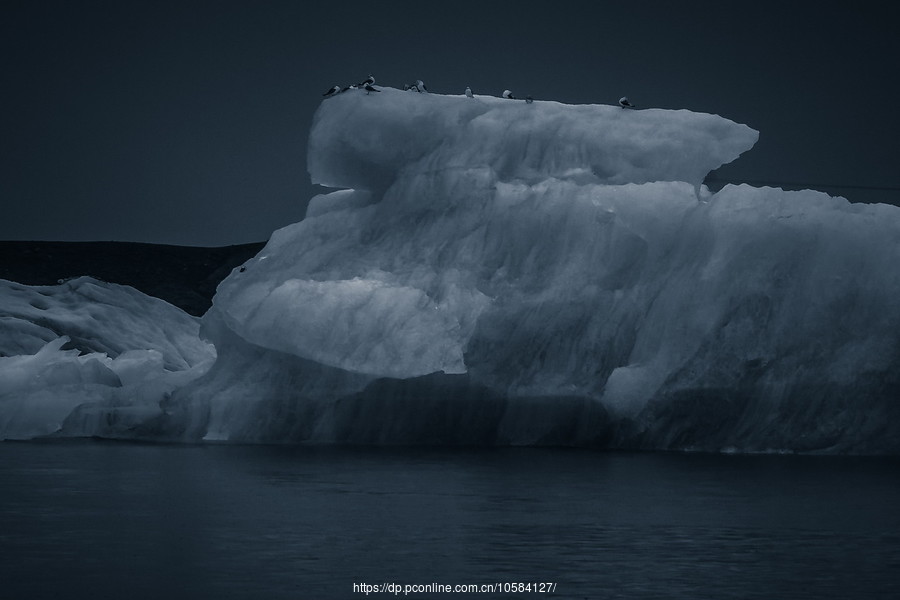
(107, 520)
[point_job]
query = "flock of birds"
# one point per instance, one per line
(419, 86)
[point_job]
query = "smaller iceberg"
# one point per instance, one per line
(87, 356)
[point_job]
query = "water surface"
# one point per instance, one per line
(110, 520)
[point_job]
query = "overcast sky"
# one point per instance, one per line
(187, 122)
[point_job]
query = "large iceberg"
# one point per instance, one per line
(494, 271)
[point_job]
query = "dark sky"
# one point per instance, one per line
(187, 122)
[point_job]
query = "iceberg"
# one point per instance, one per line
(86, 351)
(490, 271)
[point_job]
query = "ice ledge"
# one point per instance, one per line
(365, 141)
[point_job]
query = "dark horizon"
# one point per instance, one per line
(173, 124)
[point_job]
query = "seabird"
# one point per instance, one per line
(334, 90)
(420, 86)
(528, 99)
(624, 103)
(369, 88)
(508, 95)
(369, 81)
(352, 86)
(469, 93)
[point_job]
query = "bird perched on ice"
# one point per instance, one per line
(369, 88)
(528, 99)
(624, 103)
(369, 81)
(508, 95)
(352, 86)
(469, 93)
(333, 91)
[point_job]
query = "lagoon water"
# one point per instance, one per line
(94, 519)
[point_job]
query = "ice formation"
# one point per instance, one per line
(86, 347)
(491, 271)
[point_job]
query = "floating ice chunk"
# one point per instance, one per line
(121, 350)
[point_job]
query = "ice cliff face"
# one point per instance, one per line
(491, 271)
(502, 272)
